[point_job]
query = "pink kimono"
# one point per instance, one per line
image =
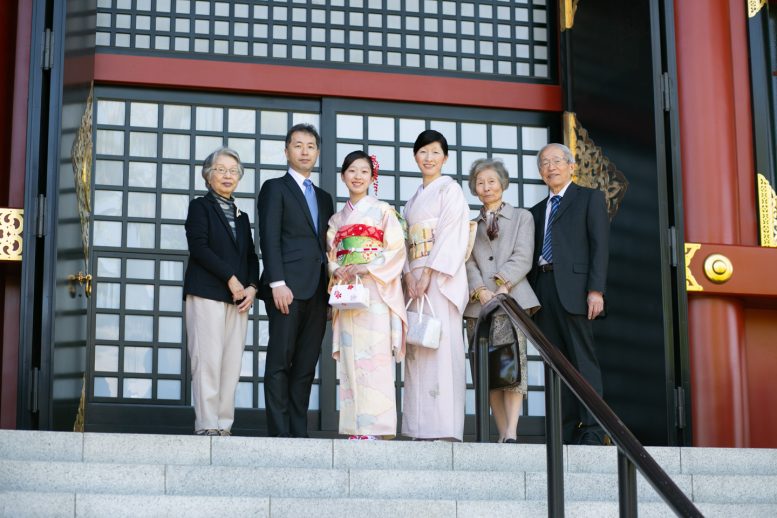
(438, 221)
(364, 340)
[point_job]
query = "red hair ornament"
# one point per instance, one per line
(375, 168)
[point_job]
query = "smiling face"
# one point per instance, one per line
(430, 160)
(556, 172)
(224, 175)
(302, 152)
(358, 178)
(488, 187)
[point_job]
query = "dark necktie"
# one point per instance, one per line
(310, 197)
(547, 244)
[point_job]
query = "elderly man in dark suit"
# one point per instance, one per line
(569, 275)
(293, 217)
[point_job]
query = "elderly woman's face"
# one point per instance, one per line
(488, 187)
(224, 176)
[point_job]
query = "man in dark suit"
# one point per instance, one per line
(293, 217)
(568, 275)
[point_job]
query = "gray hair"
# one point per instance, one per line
(568, 156)
(207, 165)
(480, 165)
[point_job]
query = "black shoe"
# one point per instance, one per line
(594, 438)
(510, 441)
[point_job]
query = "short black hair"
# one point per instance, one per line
(430, 136)
(304, 128)
(352, 157)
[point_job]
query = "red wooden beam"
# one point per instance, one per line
(752, 270)
(322, 82)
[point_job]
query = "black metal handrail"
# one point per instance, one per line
(631, 453)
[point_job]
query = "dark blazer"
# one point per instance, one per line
(215, 254)
(291, 250)
(580, 234)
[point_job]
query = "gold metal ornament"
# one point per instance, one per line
(754, 6)
(767, 212)
(718, 268)
(84, 279)
(81, 155)
(594, 169)
(567, 10)
(11, 230)
(690, 281)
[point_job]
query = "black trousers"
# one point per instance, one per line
(292, 354)
(573, 335)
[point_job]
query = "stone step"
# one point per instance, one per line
(342, 454)
(87, 505)
(244, 481)
(160, 470)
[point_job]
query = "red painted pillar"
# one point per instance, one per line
(719, 202)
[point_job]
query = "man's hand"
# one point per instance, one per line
(282, 297)
(595, 301)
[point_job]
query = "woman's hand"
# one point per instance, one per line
(359, 269)
(422, 284)
(248, 300)
(237, 289)
(410, 282)
(341, 274)
(349, 273)
(485, 295)
(504, 288)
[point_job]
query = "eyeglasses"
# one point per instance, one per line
(222, 171)
(545, 164)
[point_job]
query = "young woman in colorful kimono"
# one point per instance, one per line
(365, 240)
(438, 219)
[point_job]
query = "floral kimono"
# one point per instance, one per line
(365, 340)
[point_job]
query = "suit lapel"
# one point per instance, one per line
(220, 215)
(323, 221)
(567, 200)
(539, 225)
(240, 231)
(296, 193)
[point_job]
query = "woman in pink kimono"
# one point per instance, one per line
(438, 231)
(365, 240)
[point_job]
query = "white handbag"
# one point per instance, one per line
(423, 330)
(350, 296)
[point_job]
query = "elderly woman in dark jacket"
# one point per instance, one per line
(500, 260)
(219, 286)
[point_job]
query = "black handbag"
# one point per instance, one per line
(504, 368)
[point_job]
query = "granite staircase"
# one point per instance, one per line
(116, 475)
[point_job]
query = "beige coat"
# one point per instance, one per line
(509, 256)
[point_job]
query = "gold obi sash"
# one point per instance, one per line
(420, 239)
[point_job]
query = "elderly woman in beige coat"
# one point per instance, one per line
(500, 260)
